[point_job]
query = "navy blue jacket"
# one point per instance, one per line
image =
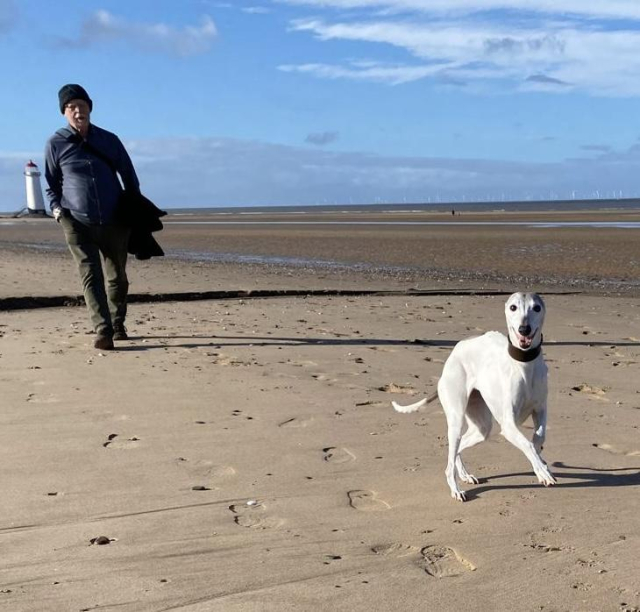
(82, 181)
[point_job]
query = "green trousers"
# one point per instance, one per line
(107, 304)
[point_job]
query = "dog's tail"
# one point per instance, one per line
(416, 406)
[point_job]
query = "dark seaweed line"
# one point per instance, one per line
(33, 302)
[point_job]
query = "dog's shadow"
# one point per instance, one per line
(585, 478)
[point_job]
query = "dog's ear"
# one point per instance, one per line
(538, 299)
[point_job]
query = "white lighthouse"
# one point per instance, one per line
(35, 202)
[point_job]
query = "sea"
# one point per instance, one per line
(313, 214)
(477, 206)
(301, 215)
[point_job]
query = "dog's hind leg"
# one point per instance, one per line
(454, 402)
(479, 422)
(454, 434)
(460, 467)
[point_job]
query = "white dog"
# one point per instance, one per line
(495, 377)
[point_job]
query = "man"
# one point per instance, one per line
(81, 161)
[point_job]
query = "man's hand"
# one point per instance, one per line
(57, 214)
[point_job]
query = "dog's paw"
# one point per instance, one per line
(546, 478)
(459, 495)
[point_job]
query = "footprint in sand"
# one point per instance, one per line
(395, 550)
(228, 360)
(114, 441)
(444, 562)
(373, 404)
(109, 416)
(616, 451)
(35, 399)
(253, 515)
(594, 392)
(203, 468)
(296, 422)
(395, 388)
(367, 501)
(333, 454)
(324, 378)
(303, 364)
(546, 548)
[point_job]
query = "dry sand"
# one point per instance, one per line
(241, 455)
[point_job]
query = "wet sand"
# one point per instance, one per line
(242, 454)
(602, 260)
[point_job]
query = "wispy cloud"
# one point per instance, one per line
(299, 175)
(367, 71)
(322, 138)
(546, 80)
(256, 10)
(596, 148)
(250, 10)
(544, 83)
(609, 9)
(104, 27)
(286, 175)
(501, 45)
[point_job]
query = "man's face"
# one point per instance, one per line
(77, 113)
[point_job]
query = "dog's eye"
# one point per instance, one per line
(537, 308)
(513, 308)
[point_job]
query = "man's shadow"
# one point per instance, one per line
(231, 341)
(252, 340)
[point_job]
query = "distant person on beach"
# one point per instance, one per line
(81, 161)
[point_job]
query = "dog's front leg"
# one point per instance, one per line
(511, 432)
(540, 428)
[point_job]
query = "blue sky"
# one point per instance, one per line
(259, 102)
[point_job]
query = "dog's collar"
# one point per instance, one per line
(524, 356)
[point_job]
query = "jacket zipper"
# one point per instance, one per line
(95, 190)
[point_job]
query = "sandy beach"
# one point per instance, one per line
(241, 453)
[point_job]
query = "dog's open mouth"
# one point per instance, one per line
(524, 342)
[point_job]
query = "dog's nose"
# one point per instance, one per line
(524, 330)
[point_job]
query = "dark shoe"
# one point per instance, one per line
(103, 342)
(120, 332)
